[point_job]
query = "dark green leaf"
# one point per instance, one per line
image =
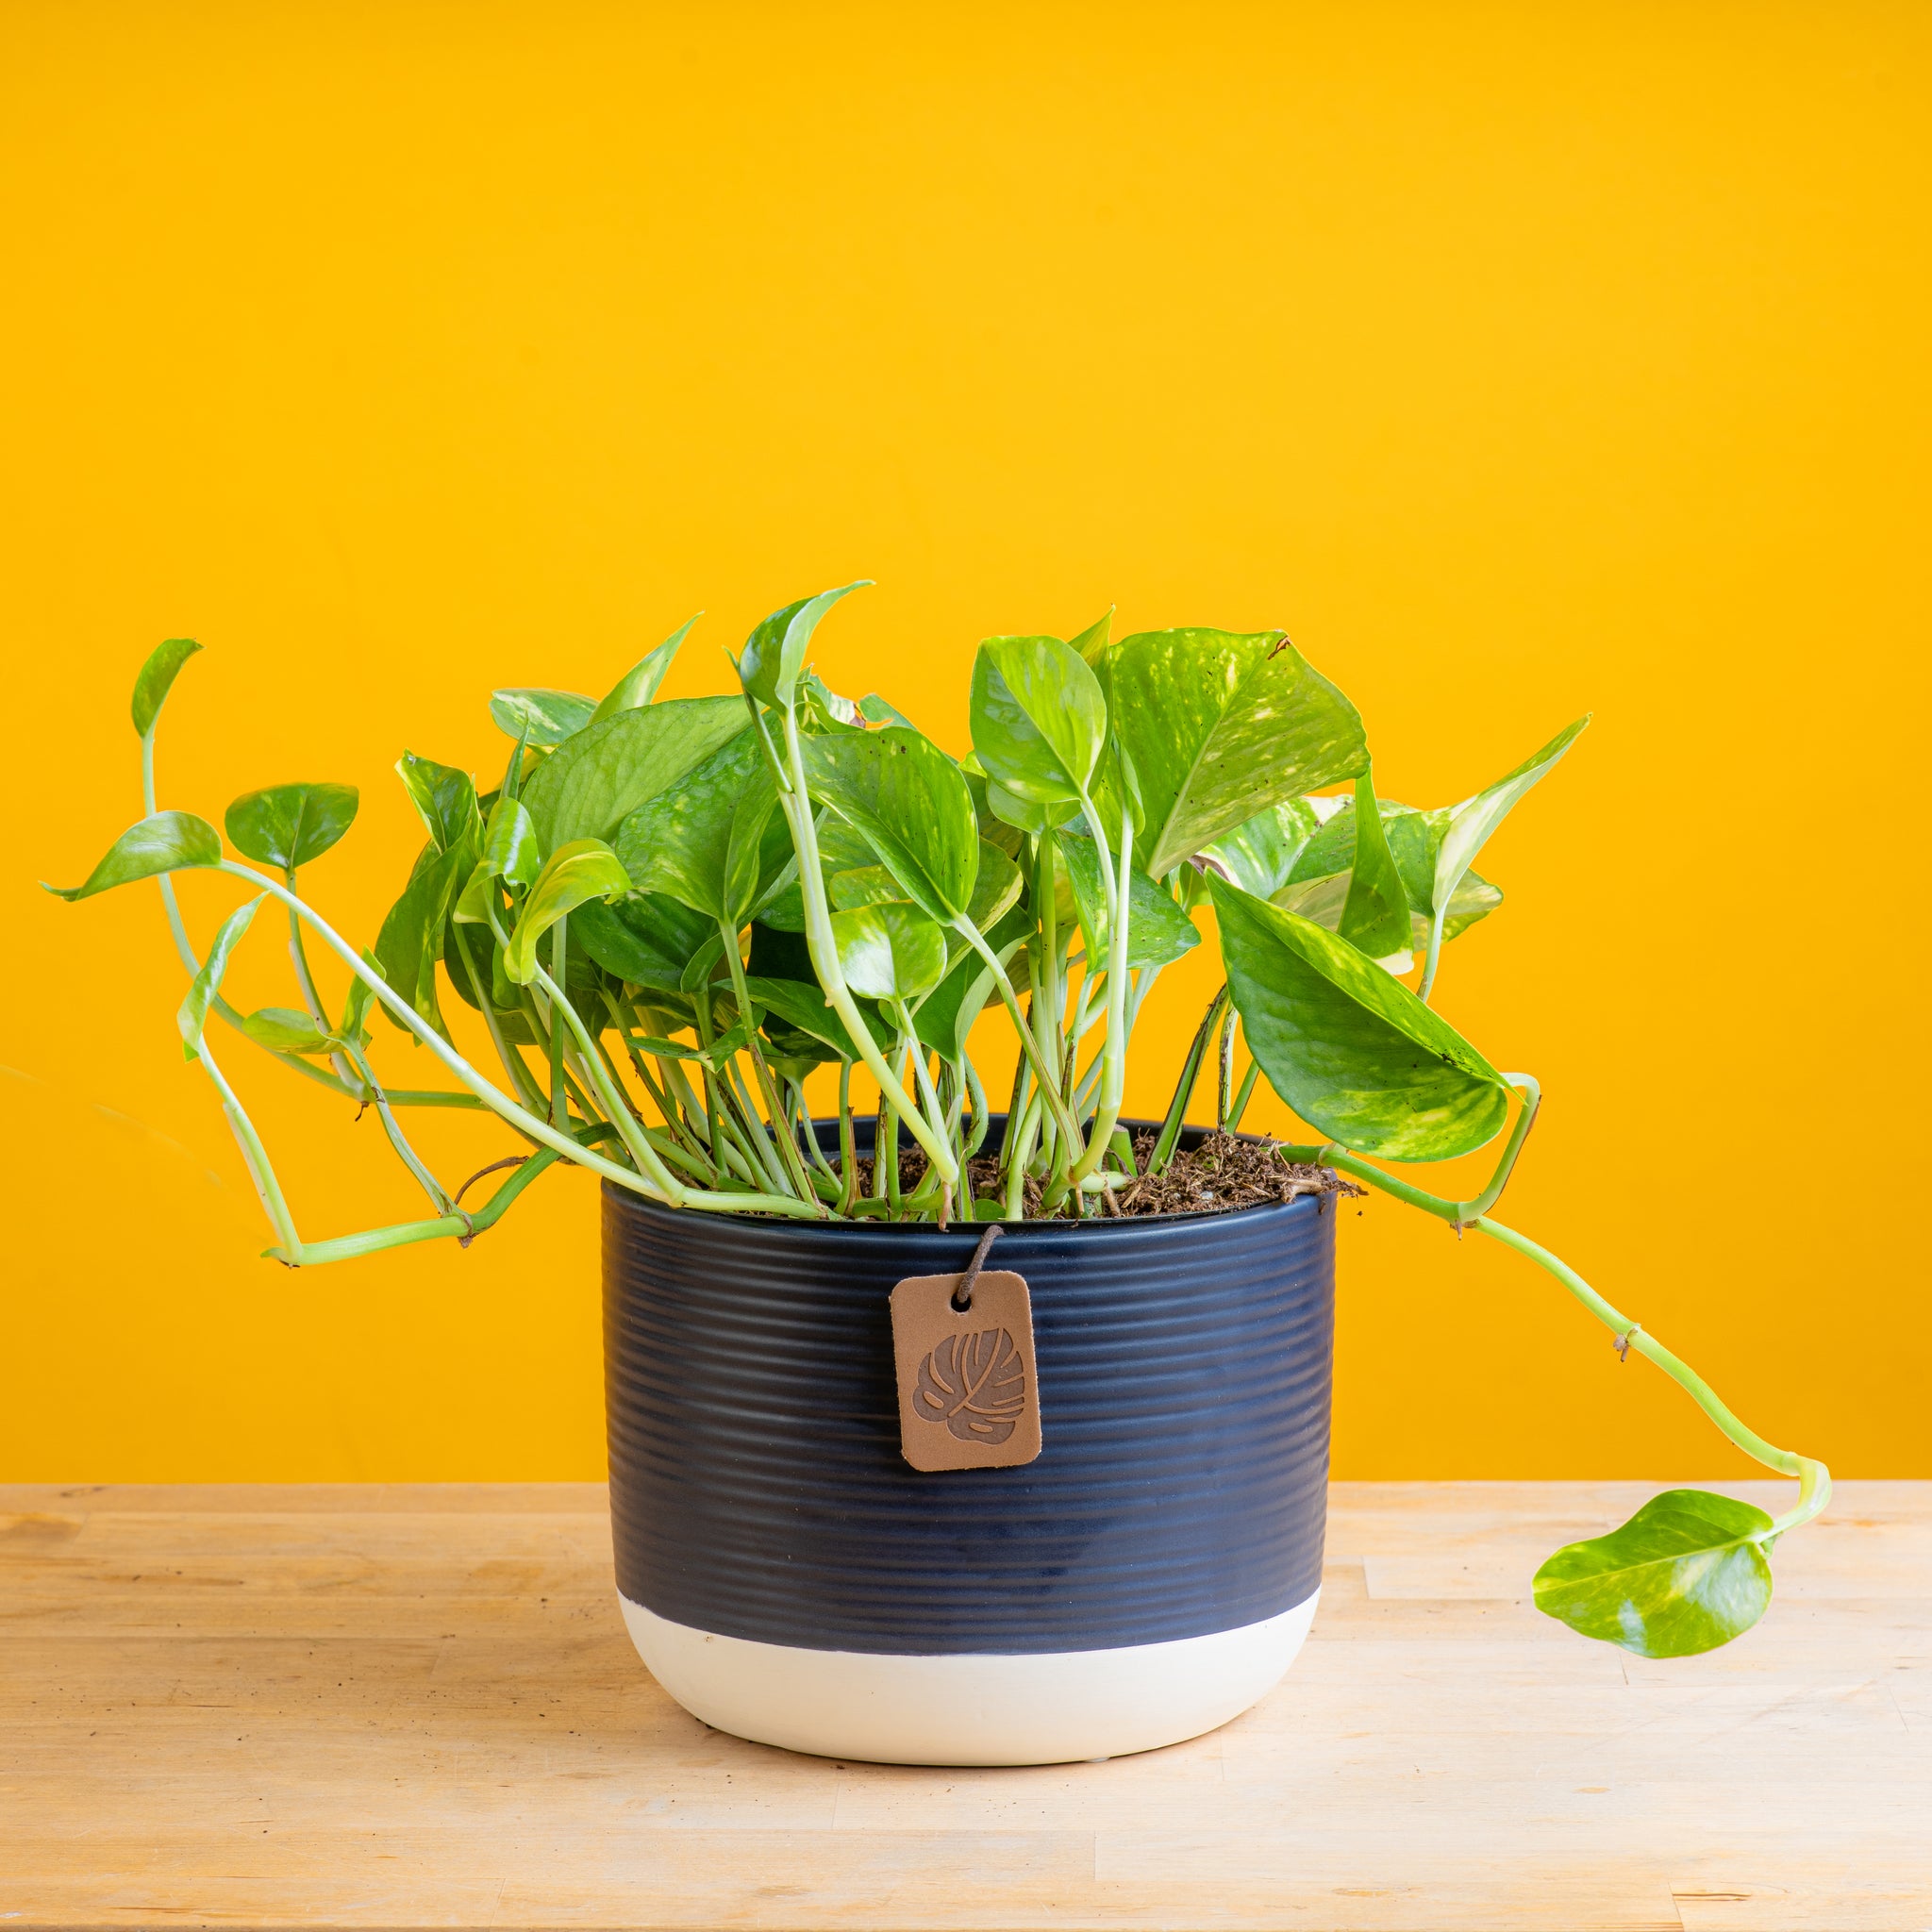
(1158, 932)
(945, 1016)
(775, 653)
(910, 802)
(289, 824)
(412, 938)
(542, 718)
(638, 685)
(1686, 1573)
(1374, 916)
(648, 940)
(156, 678)
(193, 1016)
(892, 952)
(168, 842)
(714, 839)
(1219, 727)
(802, 1004)
(585, 869)
(1353, 1051)
(586, 788)
(1039, 718)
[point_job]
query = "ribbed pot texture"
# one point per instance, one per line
(756, 1486)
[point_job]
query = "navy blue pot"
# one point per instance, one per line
(790, 1578)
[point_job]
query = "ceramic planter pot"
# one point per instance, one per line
(789, 1577)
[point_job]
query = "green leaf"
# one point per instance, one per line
(156, 678)
(1320, 876)
(586, 788)
(168, 842)
(714, 840)
(804, 1005)
(1472, 822)
(638, 685)
(444, 798)
(510, 851)
(193, 1015)
(1259, 854)
(910, 803)
(775, 653)
(1354, 1052)
(996, 888)
(1374, 916)
(282, 1030)
(1009, 808)
(412, 938)
(1039, 718)
(865, 884)
(547, 716)
(585, 869)
(1686, 1573)
(875, 710)
(892, 952)
(648, 940)
(289, 824)
(1219, 727)
(1093, 642)
(1158, 932)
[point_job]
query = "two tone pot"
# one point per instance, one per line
(787, 1576)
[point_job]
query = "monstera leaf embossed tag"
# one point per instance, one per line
(969, 1395)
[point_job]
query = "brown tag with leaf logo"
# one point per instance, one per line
(969, 1396)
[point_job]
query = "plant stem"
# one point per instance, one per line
(1241, 1098)
(1184, 1088)
(558, 946)
(1434, 955)
(493, 1097)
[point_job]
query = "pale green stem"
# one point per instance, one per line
(261, 1169)
(1046, 1078)
(438, 1195)
(797, 805)
(493, 1097)
(1434, 955)
(774, 1110)
(1113, 1080)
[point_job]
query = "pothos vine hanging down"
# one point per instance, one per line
(668, 913)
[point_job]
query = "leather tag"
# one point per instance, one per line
(969, 1394)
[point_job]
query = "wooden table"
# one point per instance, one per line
(416, 1706)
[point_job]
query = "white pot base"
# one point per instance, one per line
(1056, 1707)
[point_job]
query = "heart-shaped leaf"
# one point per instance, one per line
(445, 801)
(648, 940)
(590, 785)
(1686, 1573)
(167, 842)
(1354, 1052)
(775, 653)
(510, 851)
(892, 952)
(542, 718)
(1220, 725)
(1039, 718)
(1158, 932)
(156, 678)
(289, 824)
(714, 839)
(911, 805)
(585, 869)
(638, 685)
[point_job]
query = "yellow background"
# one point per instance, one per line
(1519, 361)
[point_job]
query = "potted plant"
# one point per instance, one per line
(882, 1488)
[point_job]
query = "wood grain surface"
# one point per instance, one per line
(417, 1707)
